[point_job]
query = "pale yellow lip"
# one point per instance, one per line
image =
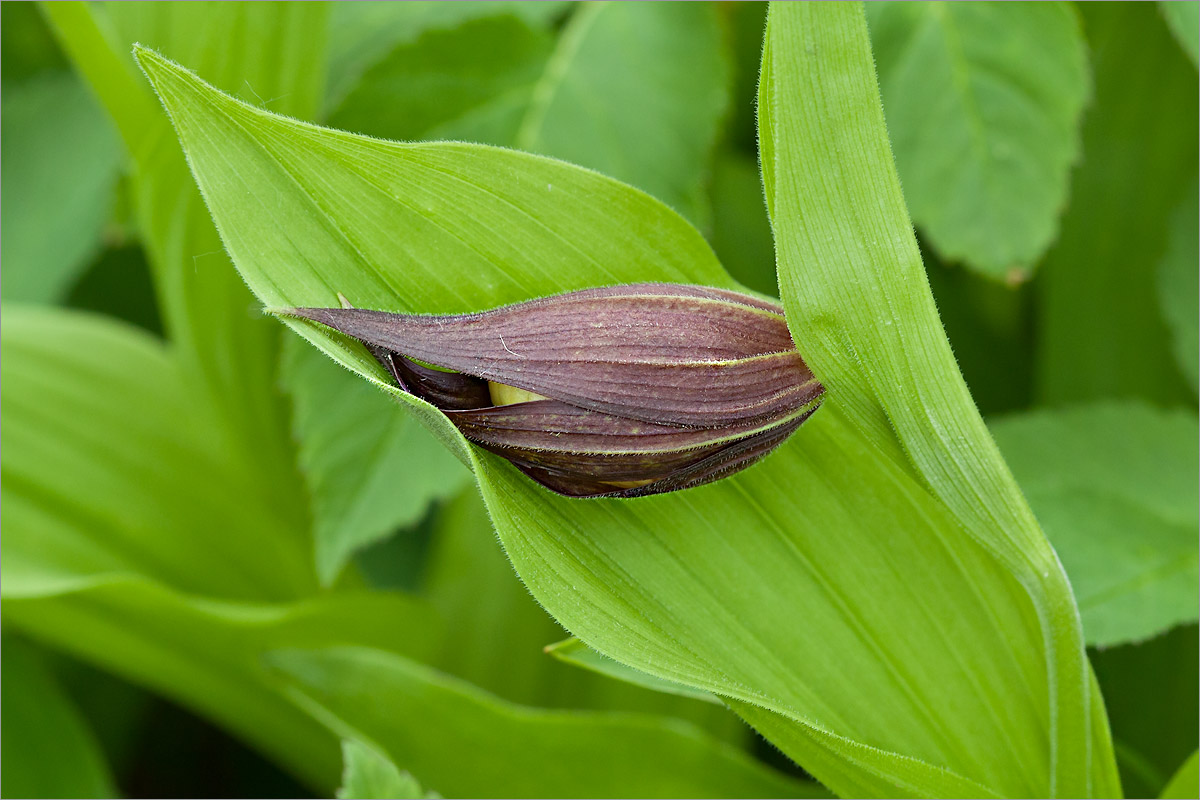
(505, 395)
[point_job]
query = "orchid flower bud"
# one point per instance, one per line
(620, 391)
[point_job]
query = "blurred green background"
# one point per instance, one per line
(1055, 197)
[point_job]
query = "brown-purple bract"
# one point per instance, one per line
(627, 390)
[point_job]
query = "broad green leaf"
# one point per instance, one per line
(741, 232)
(369, 465)
(472, 82)
(369, 774)
(1152, 691)
(207, 654)
(983, 103)
(61, 161)
(1114, 485)
(499, 634)
(361, 35)
(48, 749)
(1183, 18)
(1100, 331)
(515, 751)
(106, 451)
(132, 543)
(636, 91)
(699, 587)
(860, 311)
(1186, 781)
(1179, 285)
(268, 53)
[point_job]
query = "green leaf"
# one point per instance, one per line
(741, 231)
(698, 587)
(516, 751)
(1114, 485)
(1179, 285)
(1100, 332)
(131, 542)
(573, 651)
(370, 466)
(983, 103)
(206, 654)
(268, 52)
(1186, 781)
(636, 91)
(1152, 692)
(1183, 18)
(47, 747)
(860, 311)
(362, 35)
(369, 774)
(470, 82)
(61, 161)
(499, 633)
(106, 449)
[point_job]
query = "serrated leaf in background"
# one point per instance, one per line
(369, 774)
(473, 81)
(1179, 285)
(636, 91)
(983, 104)
(370, 466)
(1115, 487)
(1100, 331)
(361, 35)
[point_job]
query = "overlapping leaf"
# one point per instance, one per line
(860, 310)
(370, 466)
(515, 751)
(705, 587)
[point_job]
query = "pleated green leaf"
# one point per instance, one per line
(860, 311)
(983, 103)
(761, 588)
(515, 751)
